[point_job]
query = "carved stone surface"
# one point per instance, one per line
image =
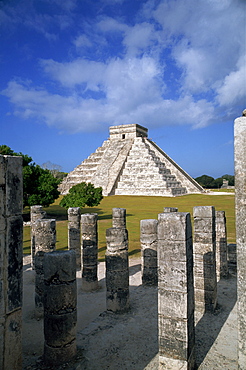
(117, 270)
(175, 292)
(129, 163)
(119, 217)
(74, 241)
(45, 241)
(89, 251)
(11, 236)
(148, 239)
(36, 213)
(205, 258)
(60, 307)
(240, 201)
(221, 245)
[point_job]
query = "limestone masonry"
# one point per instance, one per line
(129, 163)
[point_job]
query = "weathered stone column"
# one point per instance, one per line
(45, 241)
(221, 245)
(204, 258)
(36, 213)
(74, 233)
(240, 201)
(117, 270)
(60, 307)
(170, 209)
(175, 292)
(148, 239)
(11, 283)
(119, 217)
(89, 252)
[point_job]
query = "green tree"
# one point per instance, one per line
(39, 185)
(205, 181)
(82, 195)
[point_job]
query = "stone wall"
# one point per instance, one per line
(11, 228)
(240, 202)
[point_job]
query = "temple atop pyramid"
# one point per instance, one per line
(129, 163)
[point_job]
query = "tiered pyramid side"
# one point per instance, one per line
(145, 174)
(85, 171)
(101, 168)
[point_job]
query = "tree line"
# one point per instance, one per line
(208, 182)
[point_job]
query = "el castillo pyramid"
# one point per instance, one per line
(129, 163)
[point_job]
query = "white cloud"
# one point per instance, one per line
(233, 88)
(126, 81)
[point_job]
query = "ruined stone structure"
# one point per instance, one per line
(240, 199)
(74, 233)
(148, 239)
(119, 217)
(60, 307)
(170, 209)
(221, 245)
(89, 251)
(11, 228)
(117, 270)
(205, 258)
(45, 241)
(129, 163)
(175, 292)
(36, 213)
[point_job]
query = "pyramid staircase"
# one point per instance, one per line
(128, 163)
(145, 174)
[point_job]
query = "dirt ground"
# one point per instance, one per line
(130, 341)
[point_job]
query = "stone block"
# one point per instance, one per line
(172, 226)
(14, 238)
(117, 239)
(60, 330)
(12, 358)
(204, 211)
(174, 250)
(14, 185)
(60, 299)
(54, 356)
(117, 280)
(170, 209)
(148, 226)
(116, 262)
(175, 304)
(55, 266)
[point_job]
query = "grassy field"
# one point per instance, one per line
(137, 208)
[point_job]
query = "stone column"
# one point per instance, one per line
(175, 292)
(36, 213)
(117, 270)
(89, 252)
(11, 283)
(60, 307)
(204, 258)
(170, 209)
(119, 217)
(221, 245)
(240, 201)
(148, 239)
(74, 233)
(45, 241)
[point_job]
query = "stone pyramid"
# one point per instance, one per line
(129, 163)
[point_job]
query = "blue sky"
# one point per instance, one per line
(70, 69)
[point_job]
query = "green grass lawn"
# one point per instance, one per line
(137, 208)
